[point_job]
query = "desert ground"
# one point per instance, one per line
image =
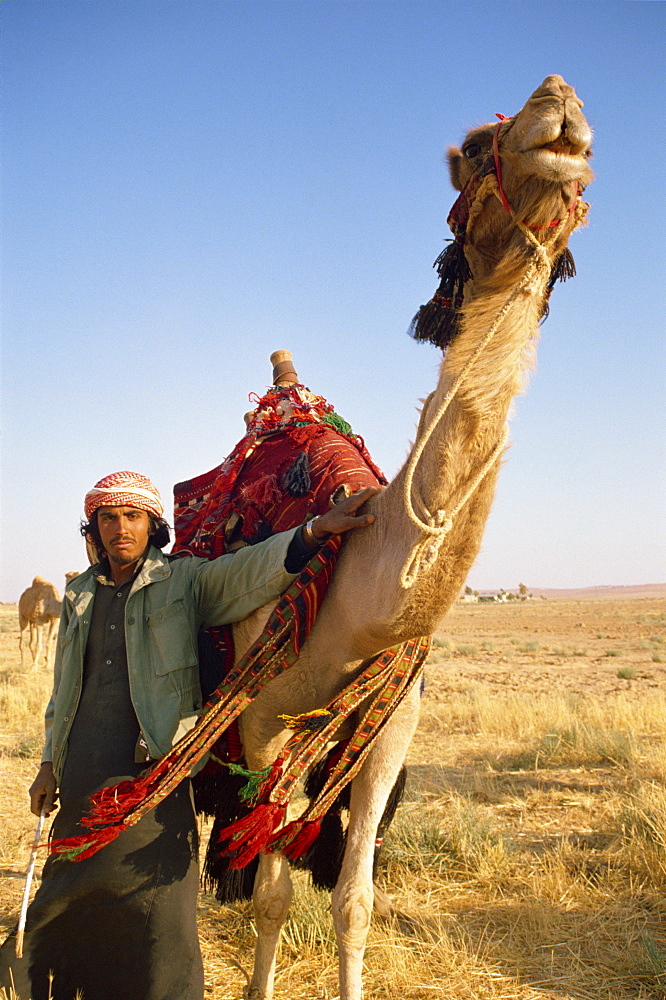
(528, 860)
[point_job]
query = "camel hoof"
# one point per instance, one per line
(253, 993)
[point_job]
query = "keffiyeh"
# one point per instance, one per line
(124, 489)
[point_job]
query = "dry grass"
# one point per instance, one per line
(528, 861)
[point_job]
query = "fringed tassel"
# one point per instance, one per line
(114, 803)
(232, 885)
(324, 858)
(254, 779)
(563, 267)
(437, 321)
(338, 423)
(250, 835)
(264, 492)
(296, 838)
(268, 783)
(297, 480)
(84, 845)
(310, 722)
(228, 885)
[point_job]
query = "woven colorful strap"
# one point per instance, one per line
(120, 806)
(386, 681)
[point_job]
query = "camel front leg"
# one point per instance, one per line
(352, 899)
(35, 643)
(50, 643)
(21, 638)
(271, 898)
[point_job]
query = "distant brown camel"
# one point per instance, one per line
(39, 609)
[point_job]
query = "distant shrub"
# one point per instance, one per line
(626, 673)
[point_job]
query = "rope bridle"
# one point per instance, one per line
(503, 198)
(437, 524)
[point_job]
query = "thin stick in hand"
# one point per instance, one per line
(28, 882)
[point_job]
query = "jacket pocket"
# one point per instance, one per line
(171, 633)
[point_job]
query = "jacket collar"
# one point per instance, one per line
(155, 567)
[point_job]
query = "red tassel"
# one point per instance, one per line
(252, 522)
(263, 493)
(85, 845)
(250, 834)
(268, 784)
(114, 803)
(296, 838)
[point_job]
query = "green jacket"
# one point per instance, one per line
(170, 599)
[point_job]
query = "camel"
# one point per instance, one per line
(520, 183)
(39, 609)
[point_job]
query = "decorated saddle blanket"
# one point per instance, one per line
(297, 458)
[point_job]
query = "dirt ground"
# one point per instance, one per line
(540, 646)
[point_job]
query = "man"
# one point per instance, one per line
(121, 925)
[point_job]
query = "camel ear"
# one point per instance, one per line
(455, 159)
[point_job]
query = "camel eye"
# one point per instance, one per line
(472, 150)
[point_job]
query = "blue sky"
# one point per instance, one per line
(188, 186)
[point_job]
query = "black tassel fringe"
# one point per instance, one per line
(297, 480)
(221, 800)
(564, 267)
(324, 858)
(437, 321)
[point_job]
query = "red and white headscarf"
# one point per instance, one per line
(124, 489)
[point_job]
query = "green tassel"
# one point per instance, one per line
(251, 788)
(338, 423)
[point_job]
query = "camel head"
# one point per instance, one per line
(520, 182)
(540, 156)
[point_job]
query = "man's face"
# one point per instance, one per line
(124, 532)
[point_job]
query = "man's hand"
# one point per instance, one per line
(43, 791)
(343, 517)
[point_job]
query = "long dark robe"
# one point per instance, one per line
(122, 924)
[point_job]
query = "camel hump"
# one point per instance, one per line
(39, 581)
